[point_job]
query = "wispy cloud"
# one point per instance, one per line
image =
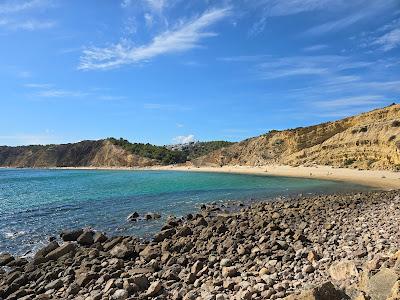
(184, 139)
(16, 6)
(27, 25)
(38, 85)
(389, 40)
(184, 38)
(56, 93)
(350, 101)
(315, 48)
(279, 67)
(163, 106)
(13, 15)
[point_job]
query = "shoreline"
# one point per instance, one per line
(379, 179)
(267, 250)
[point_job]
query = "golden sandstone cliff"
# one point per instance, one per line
(367, 141)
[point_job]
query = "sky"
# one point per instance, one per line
(172, 71)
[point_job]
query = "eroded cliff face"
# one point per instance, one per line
(100, 153)
(369, 141)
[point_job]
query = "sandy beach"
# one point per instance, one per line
(379, 179)
(386, 180)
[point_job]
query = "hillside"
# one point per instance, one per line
(100, 153)
(368, 141)
(110, 152)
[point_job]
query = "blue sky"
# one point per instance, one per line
(166, 71)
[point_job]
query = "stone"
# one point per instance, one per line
(343, 270)
(120, 295)
(229, 271)
(82, 279)
(164, 234)
(326, 291)
(152, 216)
(154, 289)
(123, 251)
(141, 281)
(54, 285)
(5, 258)
(380, 285)
(225, 262)
(99, 237)
(184, 231)
(71, 235)
(46, 249)
(197, 266)
(61, 251)
(133, 217)
(86, 238)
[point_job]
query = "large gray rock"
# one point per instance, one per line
(5, 258)
(343, 270)
(61, 251)
(123, 251)
(379, 286)
(71, 235)
(86, 238)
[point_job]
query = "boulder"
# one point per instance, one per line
(164, 234)
(5, 258)
(343, 270)
(154, 289)
(61, 251)
(123, 250)
(380, 285)
(86, 238)
(71, 235)
(99, 237)
(46, 249)
(120, 295)
(133, 217)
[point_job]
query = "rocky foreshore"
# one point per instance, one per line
(317, 247)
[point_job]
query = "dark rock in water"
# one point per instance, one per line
(133, 217)
(61, 251)
(5, 258)
(152, 216)
(86, 238)
(71, 235)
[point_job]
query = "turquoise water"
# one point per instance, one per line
(36, 204)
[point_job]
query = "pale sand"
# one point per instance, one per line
(386, 180)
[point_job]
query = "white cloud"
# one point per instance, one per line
(389, 41)
(182, 139)
(184, 38)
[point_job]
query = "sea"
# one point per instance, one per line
(36, 204)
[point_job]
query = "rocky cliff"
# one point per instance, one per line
(367, 141)
(100, 153)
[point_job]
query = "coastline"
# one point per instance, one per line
(379, 179)
(309, 245)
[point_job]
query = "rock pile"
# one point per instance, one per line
(317, 247)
